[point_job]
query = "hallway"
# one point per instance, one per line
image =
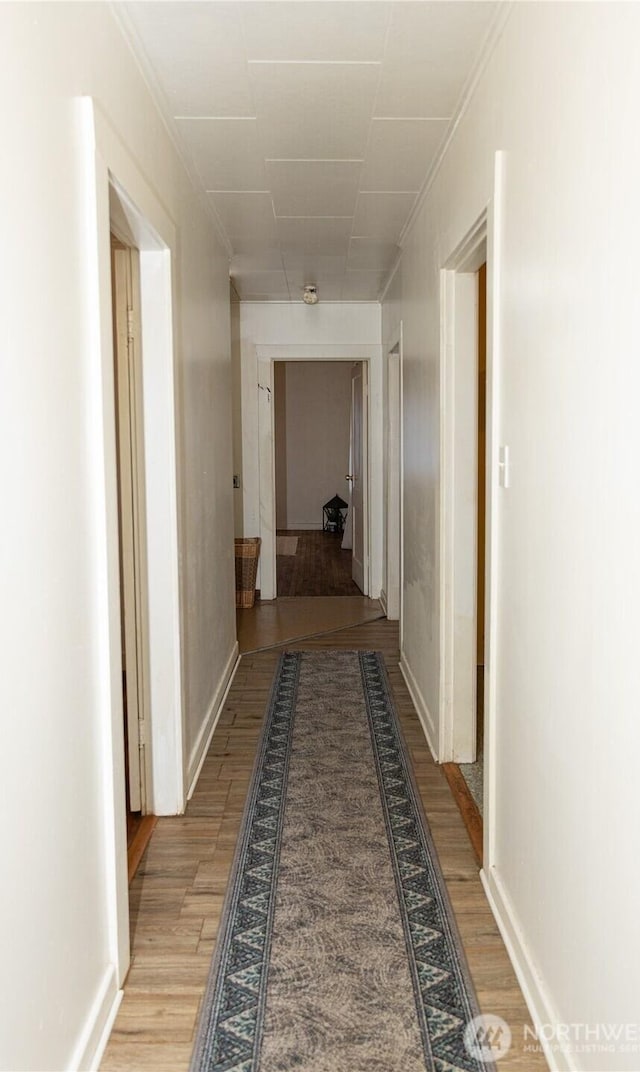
(317, 184)
(177, 895)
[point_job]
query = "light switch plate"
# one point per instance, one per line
(504, 470)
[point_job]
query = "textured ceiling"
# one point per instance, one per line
(311, 126)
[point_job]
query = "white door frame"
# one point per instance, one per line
(458, 497)
(362, 477)
(391, 598)
(132, 479)
(109, 169)
(266, 356)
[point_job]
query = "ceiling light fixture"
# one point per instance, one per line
(310, 295)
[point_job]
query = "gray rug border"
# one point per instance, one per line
(230, 898)
(454, 932)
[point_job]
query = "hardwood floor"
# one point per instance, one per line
(319, 568)
(178, 891)
(280, 621)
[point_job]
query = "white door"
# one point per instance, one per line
(131, 516)
(393, 486)
(358, 476)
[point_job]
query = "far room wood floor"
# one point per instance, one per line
(319, 567)
(178, 891)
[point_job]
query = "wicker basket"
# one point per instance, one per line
(247, 554)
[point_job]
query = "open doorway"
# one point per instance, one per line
(464, 534)
(473, 772)
(127, 350)
(320, 438)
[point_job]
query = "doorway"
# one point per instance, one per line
(473, 772)
(129, 421)
(320, 452)
(465, 608)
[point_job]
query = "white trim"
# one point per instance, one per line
(108, 164)
(383, 601)
(266, 356)
(531, 982)
(446, 511)
(94, 1035)
(495, 227)
(420, 704)
(392, 505)
(102, 468)
(201, 747)
(401, 446)
(327, 352)
(155, 236)
(267, 478)
(484, 239)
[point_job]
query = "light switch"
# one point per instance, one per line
(504, 471)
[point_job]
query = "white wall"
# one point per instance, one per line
(559, 96)
(316, 442)
(335, 331)
(56, 899)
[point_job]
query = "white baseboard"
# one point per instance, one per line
(531, 983)
(420, 705)
(88, 1051)
(201, 747)
(383, 600)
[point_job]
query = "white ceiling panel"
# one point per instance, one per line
(369, 254)
(362, 286)
(310, 267)
(311, 126)
(327, 236)
(382, 215)
(314, 187)
(311, 32)
(430, 51)
(260, 286)
(247, 214)
(257, 260)
(400, 152)
(197, 54)
(254, 244)
(314, 111)
(225, 152)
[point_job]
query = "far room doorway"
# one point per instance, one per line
(320, 437)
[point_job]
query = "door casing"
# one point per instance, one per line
(393, 505)
(458, 497)
(267, 452)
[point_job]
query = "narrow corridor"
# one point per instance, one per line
(178, 893)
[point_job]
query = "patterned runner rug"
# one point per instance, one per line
(338, 951)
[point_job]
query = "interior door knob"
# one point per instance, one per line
(349, 477)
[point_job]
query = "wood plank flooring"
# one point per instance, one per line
(178, 891)
(319, 568)
(279, 621)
